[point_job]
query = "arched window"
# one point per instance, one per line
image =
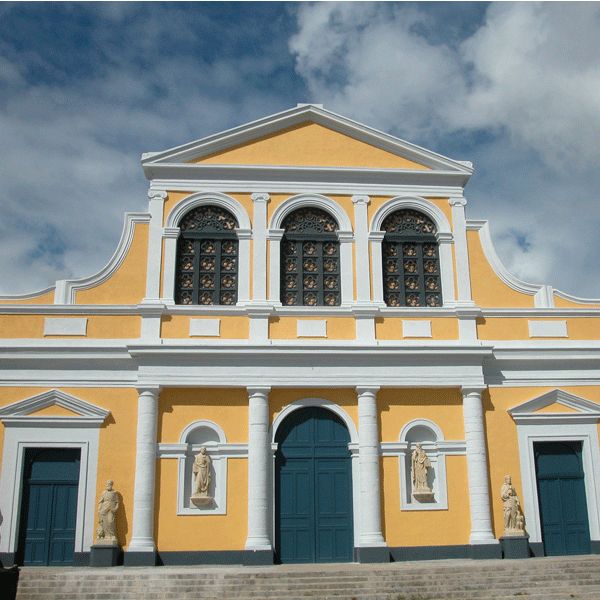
(411, 265)
(207, 258)
(310, 259)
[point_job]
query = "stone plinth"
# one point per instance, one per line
(202, 501)
(515, 546)
(105, 555)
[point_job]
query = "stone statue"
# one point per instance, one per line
(514, 521)
(420, 464)
(202, 478)
(107, 509)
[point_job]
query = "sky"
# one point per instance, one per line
(85, 89)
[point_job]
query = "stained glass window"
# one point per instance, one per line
(411, 265)
(310, 259)
(207, 258)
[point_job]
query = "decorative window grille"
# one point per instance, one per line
(310, 259)
(411, 264)
(207, 258)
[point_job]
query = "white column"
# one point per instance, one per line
(259, 235)
(155, 208)
(244, 236)
(345, 238)
(275, 236)
(361, 249)
(477, 469)
(459, 225)
(370, 484)
(376, 239)
(142, 539)
(170, 235)
(259, 457)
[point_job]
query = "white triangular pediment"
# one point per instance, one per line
(280, 122)
(24, 411)
(574, 408)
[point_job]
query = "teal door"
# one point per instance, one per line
(561, 494)
(49, 506)
(313, 489)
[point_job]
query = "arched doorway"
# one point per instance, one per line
(313, 488)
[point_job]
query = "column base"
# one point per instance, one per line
(372, 554)
(515, 546)
(253, 558)
(105, 555)
(139, 559)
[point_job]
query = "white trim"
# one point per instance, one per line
(418, 329)
(312, 328)
(362, 259)
(317, 200)
(66, 289)
(556, 427)
(461, 251)
(416, 203)
(576, 299)
(547, 329)
(259, 253)
(65, 326)
(205, 327)
(155, 246)
(29, 296)
(287, 410)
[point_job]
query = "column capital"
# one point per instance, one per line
(275, 235)
(457, 201)
(363, 390)
(360, 199)
(345, 236)
(376, 236)
(243, 234)
(171, 232)
(157, 195)
(262, 390)
(260, 197)
(149, 389)
(471, 389)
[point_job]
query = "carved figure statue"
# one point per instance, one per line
(514, 521)
(108, 505)
(201, 470)
(420, 464)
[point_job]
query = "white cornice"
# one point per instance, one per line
(528, 412)
(300, 114)
(67, 288)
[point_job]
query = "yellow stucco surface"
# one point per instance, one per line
(46, 298)
(128, 284)
(21, 326)
(487, 288)
(502, 329)
(556, 407)
(310, 144)
(564, 303)
(178, 326)
(390, 328)
(338, 328)
(53, 411)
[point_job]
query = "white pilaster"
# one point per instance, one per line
(370, 484)
(477, 469)
(361, 248)
(275, 236)
(459, 225)
(259, 232)
(345, 238)
(244, 236)
(445, 241)
(142, 539)
(170, 235)
(155, 208)
(259, 458)
(376, 239)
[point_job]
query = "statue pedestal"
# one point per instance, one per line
(423, 495)
(105, 554)
(202, 501)
(515, 546)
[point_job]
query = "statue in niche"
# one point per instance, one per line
(108, 505)
(514, 520)
(420, 465)
(202, 478)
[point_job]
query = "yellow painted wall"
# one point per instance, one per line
(47, 298)
(564, 303)
(390, 328)
(487, 288)
(516, 328)
(128, 284)
(338, 328)
(178, 326)
(98, 326)
(310, 144)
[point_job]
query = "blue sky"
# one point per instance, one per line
(86, 88)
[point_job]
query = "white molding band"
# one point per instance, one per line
(477, 469)
(370, 481)
(259, 466)
(155, 245)
(66, 289)
(142, 539)
(65, 326)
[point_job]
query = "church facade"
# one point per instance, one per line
(303, 351)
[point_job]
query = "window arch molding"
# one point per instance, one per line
(243, 232)
(344, 233)
(444, 238)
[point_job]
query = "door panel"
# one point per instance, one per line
(313, 487)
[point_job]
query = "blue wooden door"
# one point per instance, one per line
(313, 489)
(561, 494)
(49, 506)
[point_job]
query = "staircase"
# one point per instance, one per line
(557, 578)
